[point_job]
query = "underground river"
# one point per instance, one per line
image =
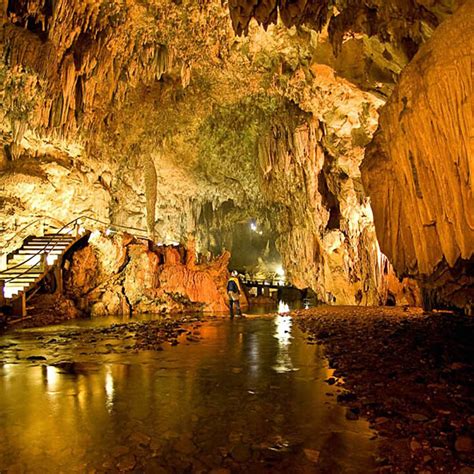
(243, 395)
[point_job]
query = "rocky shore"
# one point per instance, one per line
(148, 335)
(411, 374)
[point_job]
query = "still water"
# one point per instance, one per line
(249, 396)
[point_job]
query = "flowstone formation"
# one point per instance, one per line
(419, 168)
(157, 115)
(122, 275)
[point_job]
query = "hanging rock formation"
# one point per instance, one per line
(155, 114)
(419, 168)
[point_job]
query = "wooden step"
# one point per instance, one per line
(21, 280)
(55, 243)
(18, 271)
(32, 252)
(54, 238)
(19, 259)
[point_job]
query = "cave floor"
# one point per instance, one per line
(174, 396)
(331, 389)
(411, 374)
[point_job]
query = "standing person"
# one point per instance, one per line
(233, 291)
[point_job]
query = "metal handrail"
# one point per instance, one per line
(39, 252)
(76, 221)
(265, 281)
(17, 233)
(39, 219)
(113, 225)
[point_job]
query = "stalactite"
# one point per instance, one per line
(150, 178)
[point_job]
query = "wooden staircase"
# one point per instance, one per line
(27, 267)
(39, 256)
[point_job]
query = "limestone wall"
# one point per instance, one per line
(419, 168)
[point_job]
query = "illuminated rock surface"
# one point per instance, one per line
(121, 275)
(156, 115)
(419, 168)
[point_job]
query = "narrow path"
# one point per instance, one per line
(249, 396)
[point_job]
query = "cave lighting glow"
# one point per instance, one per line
(95, 234)
(279, 271)
(283, 307)
(50, 259)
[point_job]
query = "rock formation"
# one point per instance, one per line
(121, 275)
(419, 168)
(157, 115)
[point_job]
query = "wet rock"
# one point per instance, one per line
(417, 417)
(464, 444)
(415, 445)
(185, 446)
(35, 358)
(127, 463)
(352, 414)
(154, 466)
(312, 455)
(140, 439)
(118, 451)
(241, 452)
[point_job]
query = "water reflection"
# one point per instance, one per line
(51, 379)
(283, 335)
(109, 389)
(250, 394)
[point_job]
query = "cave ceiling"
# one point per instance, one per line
(167, 114)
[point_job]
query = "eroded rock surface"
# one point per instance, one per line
(156, 115)
(418, 169)
(121, 275)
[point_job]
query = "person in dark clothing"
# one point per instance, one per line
(233, 291)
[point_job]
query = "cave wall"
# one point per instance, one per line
(149, 114)
(326, 233)
(419, 168)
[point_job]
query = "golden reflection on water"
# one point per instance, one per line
(256, 378)
(109, 388)
(283, 335)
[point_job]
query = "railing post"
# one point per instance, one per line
(58, 274)
(3, 261)
(2, 292)
(19, 305)
(43, 262)
(41, 228)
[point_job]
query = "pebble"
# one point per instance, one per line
(463, 444)
(312, 455)
(241, 453)
(417, 417)
(140, 439)
(127, 463)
